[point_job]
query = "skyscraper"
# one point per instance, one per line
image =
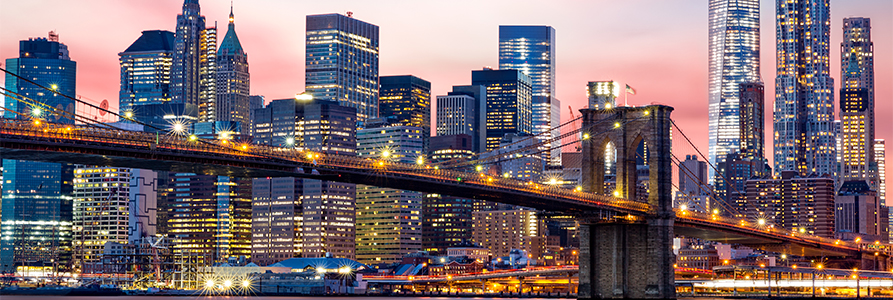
(734, 49)
(804, 101)
(207, 74)
(36, 196)
(342, 62)
(233, 81)
(323, 212)
(185, 62)
(531, 49)
(509, 106)
(389, 221)
(748, 160)
(857, 102)
(406, 99)
(464, 111)
(146, 70)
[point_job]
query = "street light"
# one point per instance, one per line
(36, 112)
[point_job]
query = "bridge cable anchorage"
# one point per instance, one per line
(715, 169)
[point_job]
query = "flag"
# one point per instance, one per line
(630, 90)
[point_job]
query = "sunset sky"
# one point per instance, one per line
(657, 47)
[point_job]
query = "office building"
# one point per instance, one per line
(446, 222)
(748, 161)
(857, 103)
(734, 58)
(185, 65)
(531, 50)
(114, 205)
(526, 167)
(207, 74)
(500, 231)
(323, 212)
(775, 200)
(277, 216)
(858, 213)
(342, 62)
(210, 217)
(233, 81)
(146, 71)
(389, 221)
(509, 103)
(254, 102)
(464, 111)
(36, 196)
(406, 100)
(804, 98)
(693, 193)
(880, 150)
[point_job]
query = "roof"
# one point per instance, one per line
(230, 44)
(320, 262)
(153, 40)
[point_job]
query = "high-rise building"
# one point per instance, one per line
(233, 81)
(447, 220)
(36, 196)
(695, 174)
(734, 55)
(185, 61)
(880, 152)
(858, 213)
(110, 205)
(463, 111)
(254, 102)
(323, 212)
(748, 161)
(526, 167)
(500, 231)
(207, 74)
(146, 70)
(277, 217)
(857, 102)
(804, 98)
(509, 103)
(342, 62)
(801, 204)
(406, 100)
(210, 217)
(389, 221)
(531, 50)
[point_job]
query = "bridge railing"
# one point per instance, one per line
(771, 229)
(302, 158)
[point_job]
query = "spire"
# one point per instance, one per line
(191, 7)
(231, 18)
(230, 44)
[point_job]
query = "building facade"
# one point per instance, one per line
(463, 111)
(185, 61)
(233, 81)
(500, 231)
(804, 101)
(36, 196)
(277, 217)
(389, 221)
(342, 62)
(406, 100)
(531, 50)
(857, 102)
(146, 70)
(801, 204)
(734, 58)
(509, 103)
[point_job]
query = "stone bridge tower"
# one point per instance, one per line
(628, 257)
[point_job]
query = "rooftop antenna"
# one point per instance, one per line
(53, 37)
(350, 14)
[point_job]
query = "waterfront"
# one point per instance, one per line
(11, 297)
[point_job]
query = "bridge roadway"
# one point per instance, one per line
(527, 272)
(40, 141)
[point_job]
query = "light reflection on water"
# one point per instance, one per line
(40, 297)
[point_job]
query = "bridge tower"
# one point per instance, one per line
(628, 257)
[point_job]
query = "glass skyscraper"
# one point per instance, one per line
(804, 98)
(406, 100)
(734, 49)
(509, 106)
(185, 63)
(342, 62)
(36, 196)
(146, 70)
(531, 49)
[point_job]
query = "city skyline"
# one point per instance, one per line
(581, 58)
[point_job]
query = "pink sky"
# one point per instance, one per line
(657, 47)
